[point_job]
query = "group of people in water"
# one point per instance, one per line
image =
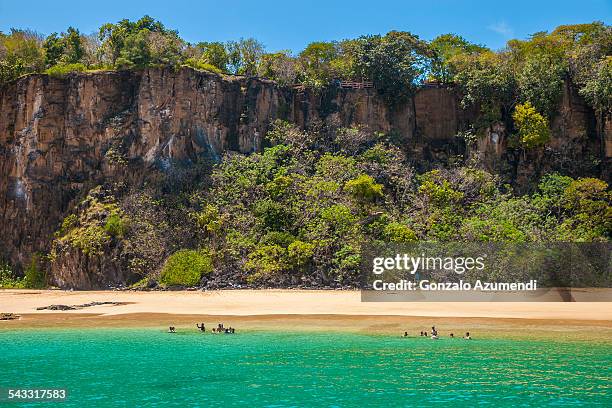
(230, 330)
(219, 329)
(434, 334)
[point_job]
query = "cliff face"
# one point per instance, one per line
(61, 136)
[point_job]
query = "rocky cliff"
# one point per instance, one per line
(59, 137)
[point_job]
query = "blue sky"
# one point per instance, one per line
(292, 24)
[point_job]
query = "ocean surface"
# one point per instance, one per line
(148, 367)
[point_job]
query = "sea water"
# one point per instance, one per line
(149, 367)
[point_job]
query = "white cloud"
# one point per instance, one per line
(502, 28)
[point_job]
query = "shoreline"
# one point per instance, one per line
(305, 310)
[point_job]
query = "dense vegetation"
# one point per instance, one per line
(300, 212)
(526, 71)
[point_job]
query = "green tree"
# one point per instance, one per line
(364, 188)
(139, 44)
(74, 50)
(54, 49)
(265, 262)
(597, 90)
(20, 53)
(446, 47)
(315, 61)
(589, 203)
(245, 55)
(394, 62)
(215, 54)
(279, 66)
(532, 127)
(486, 81)
(186, 268)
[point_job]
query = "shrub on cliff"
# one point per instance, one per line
(202, 65)
(65, 69)
(99, 221)
(116, 225)
(598, 89)
(364, 188)
(35, 275)
(8, 280)
(186, 267)
(532, 127)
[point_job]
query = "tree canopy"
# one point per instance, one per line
(532, 71)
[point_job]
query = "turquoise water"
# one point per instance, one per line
(131, 368)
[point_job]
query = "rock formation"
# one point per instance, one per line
(59, 137)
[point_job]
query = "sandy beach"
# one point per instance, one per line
(304, 310)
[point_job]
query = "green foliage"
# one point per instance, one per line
(300, 211)
(20, 54)
(139, 44)
(62, 70)
(8, 280)
(438, 190)
(398, 232)
(265, 262)
(208, 219)
(186, 267)
(279, 66)
(532, 127)
(540, 82)
(597, 90)
(315, 63)
(445, 48)
(66, 49)
(99, 221)
(213, 54)
(364, 188)
(394, 63)
(486, 80)
(273, 214)
(70, 222)
(337, 167)
(202, 65)
(54, 47)
(531, 70)
(300, 253)
(35, 275)
(116, 225)
(244, 56)
(588, 203)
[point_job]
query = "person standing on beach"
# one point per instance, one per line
(201, 327)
